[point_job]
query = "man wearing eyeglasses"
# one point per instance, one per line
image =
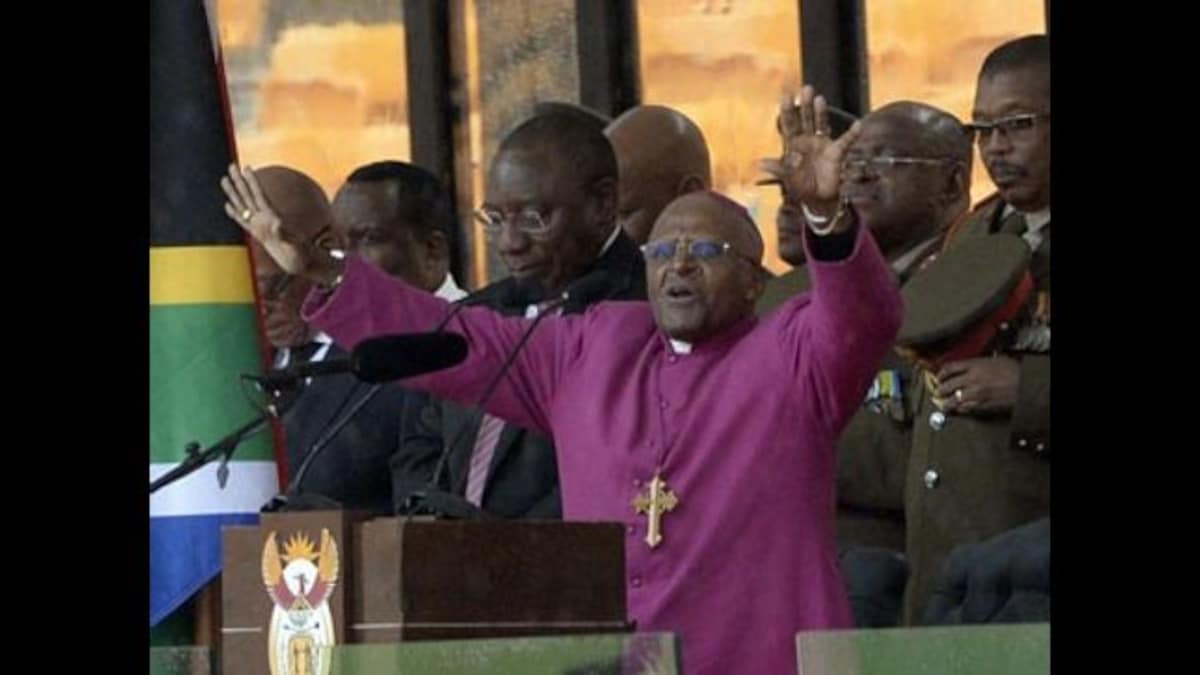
(908, 177)
(550, 212)
(708, 433)
(980, 456)
(300, 199)
(398, 217)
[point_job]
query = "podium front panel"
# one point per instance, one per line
(181, 661)
(633, 654)
(994, 649)
(284, 589)
(426, 580)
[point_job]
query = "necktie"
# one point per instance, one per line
(1014, 223)
(481, 457)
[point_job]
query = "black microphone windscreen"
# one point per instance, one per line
(394, 357)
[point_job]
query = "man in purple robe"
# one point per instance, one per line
(709, 433)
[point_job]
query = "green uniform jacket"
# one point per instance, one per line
(873, 449)
(976, 477)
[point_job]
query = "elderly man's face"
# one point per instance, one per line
(305, 213)
(552, 224)
(713, 277)
(894, 200)
(281, 296)
(1013, 109)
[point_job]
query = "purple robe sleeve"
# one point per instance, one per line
(370, 303)
(834, 338)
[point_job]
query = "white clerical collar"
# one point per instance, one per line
(449, 289)
(681, 347)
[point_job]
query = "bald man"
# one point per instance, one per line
(353, 470)
(299, 199)
(908, 176)
(707, 433)
(661, 154)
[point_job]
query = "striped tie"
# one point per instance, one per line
(481, 457)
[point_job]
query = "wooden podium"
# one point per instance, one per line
(302, 579)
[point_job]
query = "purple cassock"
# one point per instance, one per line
(740, 433)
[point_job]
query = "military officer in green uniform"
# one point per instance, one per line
(980, 458)
(908, 177)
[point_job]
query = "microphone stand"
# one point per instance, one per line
(291, 498)
(224, 448)
(441, 502)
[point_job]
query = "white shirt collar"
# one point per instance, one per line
(284, 356)
(608, 244)
(449, 290)
(1037, 220)
(681, 347)
(1034, 221)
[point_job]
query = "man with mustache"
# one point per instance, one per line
(980, 462)
(908, 176)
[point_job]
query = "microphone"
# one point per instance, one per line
(380, 359)
(376, 360)
(583, 291)
(395, 357)
(524, 292)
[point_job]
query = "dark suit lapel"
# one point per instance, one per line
(318, 406)
(460, 426)
(509, 437)
(623, 263)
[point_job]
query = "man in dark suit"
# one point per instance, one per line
(398, 217)
(551, 213)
